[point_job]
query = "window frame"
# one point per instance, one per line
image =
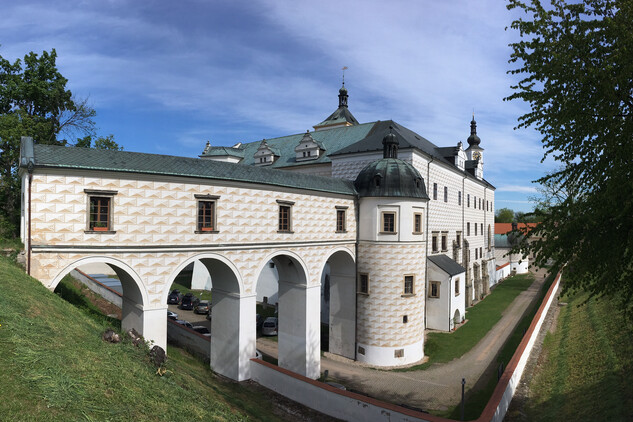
(412, 285)
(104, 194)
(212, 199)
(417, 216)
(283, 205)
(458, 239)
(382, 222)
(434, 242)
(435, 191)
(467, 229)
(437, 285)
(445, 193)
(444, 241)
(341, 222)
(359, 287)
(459, 198)
(456, 289)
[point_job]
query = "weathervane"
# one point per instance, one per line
(344, 69)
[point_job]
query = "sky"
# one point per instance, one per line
(165, 77)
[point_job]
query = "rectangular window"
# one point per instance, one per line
(459, 197)
(341, 220)
(481, 227)
(417, 223)
(408, 284)
(434, 246)
(475, 228)
(100, 210)
(363, 283)
(285, 216)
(434, 289)
(445, 194)
(388, 222)
(99, 213)
(474, 202)
(434, 190)
(476, 251)
(206, 216)
(444, 241)
(458, 239)
(398, 353)
(467, 229)
(481, 255)
(457, 287)
(479, 203)
(468, 201)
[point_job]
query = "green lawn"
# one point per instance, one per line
(587, 365)
(55, 367)
(444, 347)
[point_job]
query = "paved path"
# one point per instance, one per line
(438, 387)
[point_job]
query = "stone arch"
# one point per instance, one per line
(127, 276)
(342, 304)
(207, 260)
(299, 300)
(232, 316)
(136, 311)
(457, 318)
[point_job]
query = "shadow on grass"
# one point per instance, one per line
(70, 293)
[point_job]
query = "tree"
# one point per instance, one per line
(101, 142)
(575, 63)
(34, 102)
(504, 215)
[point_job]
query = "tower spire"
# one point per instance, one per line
(342, 93)
(473, 139)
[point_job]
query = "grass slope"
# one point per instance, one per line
(55, 367)
(587, 365)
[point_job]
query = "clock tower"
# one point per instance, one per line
(474, 152)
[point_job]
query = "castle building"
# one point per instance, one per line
(368, 227)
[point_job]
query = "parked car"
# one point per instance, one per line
(185, 323)
(172, 315)
(269, 328)
(174, 297)
(202, 330)
(189, 301)
(203, 307)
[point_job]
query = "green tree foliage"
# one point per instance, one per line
(102, 142)
(504, 215)
(34, 102)
(575, 65)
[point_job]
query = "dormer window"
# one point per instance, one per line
(265, 155)
(377, 180)
(308, 148)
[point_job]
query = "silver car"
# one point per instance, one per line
(269, 328)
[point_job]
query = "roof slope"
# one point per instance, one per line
(49, 156)
(331, 140)
(446, 264)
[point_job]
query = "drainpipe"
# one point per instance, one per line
(357, 212)
(28, 249)
(451, 291)
(426, 246)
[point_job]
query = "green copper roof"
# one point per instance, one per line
(224, 151)
(48, 156)
(390, 177)
(330, 139)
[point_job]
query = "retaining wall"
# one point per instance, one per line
(351, 406)
(104, 291)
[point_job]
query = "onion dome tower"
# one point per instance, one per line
(391, 260)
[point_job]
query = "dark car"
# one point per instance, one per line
(189, 301)
(174, 297)
(201, 329)
(203, 307)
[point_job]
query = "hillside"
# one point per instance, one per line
(56, 367)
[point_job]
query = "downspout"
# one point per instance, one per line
(426, 246)
(357, 212)
(28, 249)
(451, 291)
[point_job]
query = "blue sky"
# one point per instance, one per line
(166, 77)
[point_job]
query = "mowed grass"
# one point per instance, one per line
(444, 347)
(54, 366)
(586, 370)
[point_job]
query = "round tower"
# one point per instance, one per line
(391, 260)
